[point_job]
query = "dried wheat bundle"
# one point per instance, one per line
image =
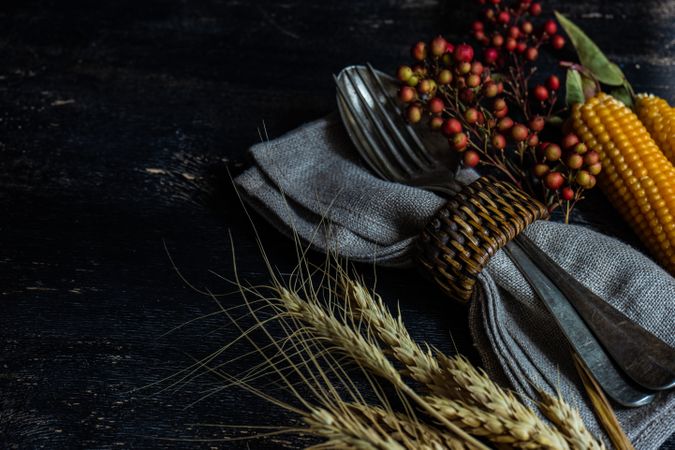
(336, 319)
(569, 422)
(461, 393)
(365, 426)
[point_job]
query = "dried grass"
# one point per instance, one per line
(463, 394)
(327, 318)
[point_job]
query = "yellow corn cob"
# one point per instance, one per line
(659, 118)
(636, 176)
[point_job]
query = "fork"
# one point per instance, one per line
(396, 151)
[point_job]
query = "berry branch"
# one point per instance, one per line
(483, 101)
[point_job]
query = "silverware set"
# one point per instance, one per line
(627, 361)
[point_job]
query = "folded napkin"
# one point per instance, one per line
(311, 181)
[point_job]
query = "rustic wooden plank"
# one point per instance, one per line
(118, 123)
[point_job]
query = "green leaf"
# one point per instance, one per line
(574, 87)
(590, 56)
(623, 95)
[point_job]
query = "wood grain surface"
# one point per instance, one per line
(119, 122)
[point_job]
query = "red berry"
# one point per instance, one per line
(497, 40)
(583, 179)
(436, 105)
(449, 47)
(438, 46)
(554, 180)
(552, 152)
(532, 54)
(541, 93)
(553, 83)
(464, 53)
(471, 115)
(500, 87)
(419, 51)
(514, 32)
(464, 67)
(473, 80)
(567, 193)
(505, 124)
(511, 45)
(414, 113)
(535, 9)
(537, 123)
(502, 112)
(489, 14)
(499, 104)
(444, 77)
(521, 47)
(404, 73)
(570, 140)
(550, 27)
(540, 170)
(532, 140)
(477, 26)
(491, 55)
(574, 161)
(503, 17)
(490, 89)
(471, 158)
(436, 123)
(558, 42)
(581, 148)
(451, 126)
(595, 169)
(424, 87)
(460, 141)
(527, 27)
(406, 94)
(477, 68)
(519, 132)
(591, 158)
(498, 141)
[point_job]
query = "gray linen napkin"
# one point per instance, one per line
(314, 173)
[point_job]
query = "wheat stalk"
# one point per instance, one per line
(420, 364)
(602, 408)
(360, 426)
(461, 398)
(568, 420)
(321, 323)
(487, 409)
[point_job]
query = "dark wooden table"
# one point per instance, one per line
(118, 123)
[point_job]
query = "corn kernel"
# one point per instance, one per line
(637, 176)
(659, 118)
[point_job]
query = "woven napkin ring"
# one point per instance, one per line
(464, 234)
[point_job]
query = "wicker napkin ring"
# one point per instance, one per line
(464, 234)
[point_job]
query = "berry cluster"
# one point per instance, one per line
(564, 169)
(511, 42)
(482, 102)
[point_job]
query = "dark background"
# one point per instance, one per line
(118, 123)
